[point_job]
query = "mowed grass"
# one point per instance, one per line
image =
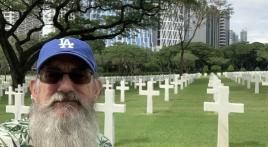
(182, 122)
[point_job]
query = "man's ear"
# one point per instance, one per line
(33, 89)
(98, 86)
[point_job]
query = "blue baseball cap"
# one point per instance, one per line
(69, 46)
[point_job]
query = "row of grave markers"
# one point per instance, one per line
(222, 106)
(220, 95)
(248, 77)
(109, 123)
(109, 107)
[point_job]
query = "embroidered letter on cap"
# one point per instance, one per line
(66, 42)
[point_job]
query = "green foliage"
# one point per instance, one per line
(205, 69)
(215, 68)
(125, 58)
(242, 69)
(230, 68)
(257, 69)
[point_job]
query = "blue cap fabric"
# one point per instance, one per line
(70, 46)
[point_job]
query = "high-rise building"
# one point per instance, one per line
(208, 32)
(29, 23)
(224, 30)
(141, 37)
(233, 37)
(170, 25)
(10, 17)
(243, 36)
(48, 15)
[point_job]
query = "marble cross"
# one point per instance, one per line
(109, 107)
(18, 108)
(223, 108)
(10, 94)
(107, 84)
(122, 89)
(176, 82)
(150, 92)
(166, 86)
(140, 84)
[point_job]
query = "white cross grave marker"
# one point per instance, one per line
(10, 93)
(214, 90)
(18, 108)
(19, 89)
(166, 86)
(223, 108)
(150, 92)
(140, 84)
(257, 80)
(109, 107)
(122, 89)
(248, 81)
(107, 85)
(176, 82)
(1, 90)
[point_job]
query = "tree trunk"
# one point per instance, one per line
(182, 61)
(17, 77)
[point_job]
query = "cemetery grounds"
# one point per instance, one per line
(182, 122)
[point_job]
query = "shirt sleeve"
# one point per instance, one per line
(103, 141)
(5, 139)
(14, 133)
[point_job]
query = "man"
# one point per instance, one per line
(63, 94)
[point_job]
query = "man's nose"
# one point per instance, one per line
(65, 84)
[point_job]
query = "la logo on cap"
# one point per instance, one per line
(66, 43)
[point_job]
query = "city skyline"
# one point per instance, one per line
(251, 16)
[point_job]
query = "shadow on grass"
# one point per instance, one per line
(134, 140)
(247, 144)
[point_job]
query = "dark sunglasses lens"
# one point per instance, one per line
(80, 76)
(50, 76)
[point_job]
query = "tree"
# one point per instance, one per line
(196, 12)
(68, 20)
(125, 58)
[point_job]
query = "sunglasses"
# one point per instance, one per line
(54, 75)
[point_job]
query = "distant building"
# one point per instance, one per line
(141, 37)
(224, 30)
(208, 32)
(233, 37)
(243, 36)
(11, 17)
(48, 15)
(168, 33)
(29, 23)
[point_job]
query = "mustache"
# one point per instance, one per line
(63, 97)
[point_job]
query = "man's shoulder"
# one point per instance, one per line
(103, 141)
(14, 133)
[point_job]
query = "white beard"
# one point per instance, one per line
(79, 129)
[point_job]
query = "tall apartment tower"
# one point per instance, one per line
(168, 33)
(11, 17)
(48, 20)
(209, 32)
(233, 37)
(140, 37)
(224, 26)
(243, 36)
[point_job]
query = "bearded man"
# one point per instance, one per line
(63, 93)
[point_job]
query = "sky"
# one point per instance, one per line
(251, 15)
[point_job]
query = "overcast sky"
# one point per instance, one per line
(251, 15)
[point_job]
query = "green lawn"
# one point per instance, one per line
(182, 121)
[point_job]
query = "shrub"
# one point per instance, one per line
(230, 68)
(215, 68)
